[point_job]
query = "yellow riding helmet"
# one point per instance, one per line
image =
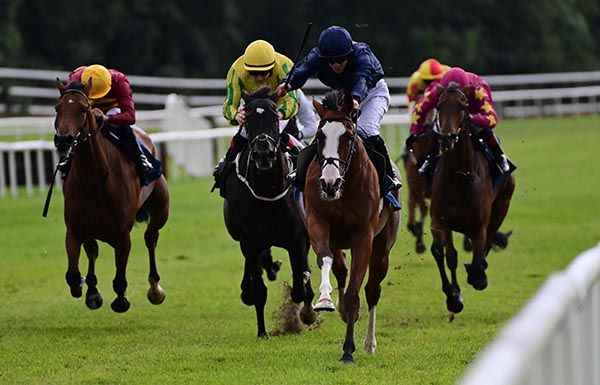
(101, 80)
(431, 69)
(259, 56)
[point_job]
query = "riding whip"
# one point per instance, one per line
(304, 38)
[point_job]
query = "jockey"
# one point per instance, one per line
(112, 95)
(429, 70)
(341, 63)
(258, 67)
(482, 116)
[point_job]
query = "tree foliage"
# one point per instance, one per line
(202, 38)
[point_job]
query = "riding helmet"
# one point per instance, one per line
(335, 42)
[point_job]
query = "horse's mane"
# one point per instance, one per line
(334, 100)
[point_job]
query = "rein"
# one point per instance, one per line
(244, 179)
(71, 151)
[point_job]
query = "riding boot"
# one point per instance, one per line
(381, 160)
(489, 137)
(238, 142)
(292, 145)
(136, 152)
(305, 157)
(426, 166)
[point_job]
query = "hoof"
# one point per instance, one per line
(94, 301)
(263, 335)
(156, 297)
(324, 304)
(454, 304)
(370, 347)
(273, 270)
(76, 292)
(420, 247)
(346, 359)
(308, 315)
(501, 239)
(247, 298)
(476, 278)
(120, 305)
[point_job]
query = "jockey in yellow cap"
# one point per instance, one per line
(429, 70)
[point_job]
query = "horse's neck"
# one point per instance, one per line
(461, 158)
(90, 161)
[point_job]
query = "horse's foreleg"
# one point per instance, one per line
(476, 276)
(319, 238)
(452, 263)
(499, 211)
(254, 290)
(122, 248)
(454, 302)
(73, 275)
(361, 252)
(93, 299)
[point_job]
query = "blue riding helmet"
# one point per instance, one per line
(334, 42)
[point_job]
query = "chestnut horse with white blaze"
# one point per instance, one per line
(103, 197)
(345, 211)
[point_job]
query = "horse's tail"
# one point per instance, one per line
(143, 214)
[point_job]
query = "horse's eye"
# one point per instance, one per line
(56, 108)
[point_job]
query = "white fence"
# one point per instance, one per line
(555, 339)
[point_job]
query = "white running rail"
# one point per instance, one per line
(555, 339)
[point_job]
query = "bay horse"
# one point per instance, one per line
(345, 211)
(103, 197)
(260, 212)
(463, 198)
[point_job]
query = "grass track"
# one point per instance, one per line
(203, 334)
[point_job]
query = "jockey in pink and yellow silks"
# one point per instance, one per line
(482, 115)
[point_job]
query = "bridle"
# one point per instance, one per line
(324, 161)
(452, 137)
(69, 140)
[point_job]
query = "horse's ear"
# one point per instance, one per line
(245, 96)
(88, 86)
(274, 97)
(347, 104)
(468, 90)
(61, 86)
(318, 107)
(440, 87)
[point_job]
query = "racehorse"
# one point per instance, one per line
(344, 211)
(463, 198)
(419, 193)
(103, 198)
(260, 212)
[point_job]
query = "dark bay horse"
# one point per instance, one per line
(102, 196)
(344, 211)
(260, 212)
(463, 198)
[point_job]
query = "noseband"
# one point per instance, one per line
(324, 161)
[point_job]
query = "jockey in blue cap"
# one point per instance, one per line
(343, 64)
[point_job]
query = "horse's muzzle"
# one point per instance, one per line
(331, 190)
(63, 143)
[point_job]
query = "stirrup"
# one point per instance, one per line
(146, 165)
(503, 163)
(291, 177)
(425, 166)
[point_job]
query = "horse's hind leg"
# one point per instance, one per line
(301, 287)
(93, 299)
(378, 267)
(476, 276)
(271, 267)
(73, 275)
(158, 206)
(340, 271)
(499, 211)
(122, 248)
